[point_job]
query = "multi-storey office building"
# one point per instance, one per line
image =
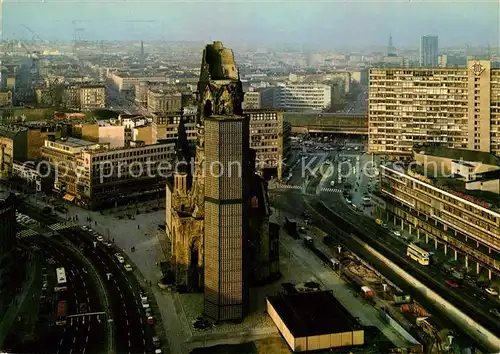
(429, 51)
(460, 212)
(456, 107)
(109, 176)
(268, 139)
(268, 136)
(304, 97)
(62, 156)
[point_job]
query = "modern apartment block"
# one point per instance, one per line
(456, 107)
(429, 51)
(449, 198)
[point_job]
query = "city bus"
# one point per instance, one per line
(61, 280)
(62, 309)
(418, 254)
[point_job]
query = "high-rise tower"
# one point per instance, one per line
(224, 141)
(429, 51)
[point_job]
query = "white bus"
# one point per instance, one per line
(418, 254)
(61, 280)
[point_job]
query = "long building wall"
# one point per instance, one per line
(456, 107)
(466, 227)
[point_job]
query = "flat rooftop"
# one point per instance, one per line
(458, 184)
(74, 142)
(313, 313)
(457, 154)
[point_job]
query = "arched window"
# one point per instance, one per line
(207, 109)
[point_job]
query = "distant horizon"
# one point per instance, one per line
(335, 24)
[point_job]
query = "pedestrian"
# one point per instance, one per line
(96, 223)
(137, 226)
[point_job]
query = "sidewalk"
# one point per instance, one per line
(13, 311)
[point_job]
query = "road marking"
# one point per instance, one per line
(118, 287)
(142, 329)
(127, 322)
(71, 351)
(86, 339)
(121, 295)
(141, 321)
(74, 340)
(129, 343)
(130, 286)
(60, 342)
(83, 351)
(133, 292)
(88, 299)
(143, 342)
(84, 284)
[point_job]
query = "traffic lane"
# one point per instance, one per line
(77, 332)
(373, 236)
(126, 316)
(139, 332)
(128, 320)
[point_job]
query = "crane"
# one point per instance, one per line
(35, 56)
(35, 35)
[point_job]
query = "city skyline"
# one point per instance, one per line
(360, 23)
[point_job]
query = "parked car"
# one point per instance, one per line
(396, 233)
(128, 268)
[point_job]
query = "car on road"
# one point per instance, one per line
(144, 301)
(452, 283)
(84, 308)
(495, 312)
(149, 316)
(128, 267)
(491, 291)
(120, 258)
(396, 233)
(156, 341)
(108, 244)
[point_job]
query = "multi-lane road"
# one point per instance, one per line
(132, 332)
(341, 220)
(84, 331)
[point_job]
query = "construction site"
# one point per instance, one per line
(429, 333)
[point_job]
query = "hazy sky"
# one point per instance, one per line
(328, 23)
